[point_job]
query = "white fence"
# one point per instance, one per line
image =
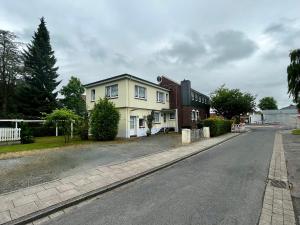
(10, 134)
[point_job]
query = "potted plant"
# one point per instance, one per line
(150, 119)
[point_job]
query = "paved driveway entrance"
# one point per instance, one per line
(49, 165)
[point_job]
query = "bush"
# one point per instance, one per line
(83, 128)
(104, 120)
(26, 134)
(218, 126)
(63, 117)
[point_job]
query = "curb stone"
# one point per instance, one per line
(88, 195)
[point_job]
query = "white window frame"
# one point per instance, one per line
(137, 89)
(193, 96)
(93, 95)
(167, 97)
(108, 91)
(197, 115)
(193, 115)
(174, 116)
(156, 119)
(143, 126)
(160, 97)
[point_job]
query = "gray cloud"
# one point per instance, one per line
(97, 39)
(230, 45)
(183, 51)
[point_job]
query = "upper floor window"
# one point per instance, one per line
(156, 117)
(167, 97)
(139, 92)
(160, 97)
(193, 115)
(93, 95)
(111, 91)
(193, 96)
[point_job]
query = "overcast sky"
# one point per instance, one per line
(241, 43)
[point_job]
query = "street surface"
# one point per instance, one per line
(224, 185)
(291, 144)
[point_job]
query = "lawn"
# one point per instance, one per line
(42, 143)
(296, 131)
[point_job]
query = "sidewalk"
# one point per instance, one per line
(277, 205)
(27, 205)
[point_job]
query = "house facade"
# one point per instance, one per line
(191, 105)
(135, 98)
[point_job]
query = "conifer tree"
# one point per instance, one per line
(40, 74)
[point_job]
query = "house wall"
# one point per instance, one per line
(150, 102)
(287, 117)
(128, 105)
(120, 101)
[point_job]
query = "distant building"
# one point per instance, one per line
(192, 106)
(287, 116)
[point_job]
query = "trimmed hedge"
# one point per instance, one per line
(218, 126)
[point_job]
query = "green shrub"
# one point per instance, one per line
(63, 117)
(217, 126)
(104, 120)
(83, 128)
(150, 119)
(26, 134)
(296, 132)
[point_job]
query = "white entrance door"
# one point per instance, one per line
(133, 130)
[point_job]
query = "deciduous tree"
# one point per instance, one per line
(267, 103)
(231, 102)
(293, 78)
(10, 66)
(72, 93)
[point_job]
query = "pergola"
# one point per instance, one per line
(16, 121)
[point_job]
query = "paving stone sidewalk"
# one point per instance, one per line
(25, 204)
(277, 205)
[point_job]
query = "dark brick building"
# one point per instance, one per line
(192, 106)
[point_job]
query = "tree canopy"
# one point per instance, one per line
(63, 118)
(293, 78)
(40, 73)
(267, 103)
(231, 103)
(72, 93)
(10, 67)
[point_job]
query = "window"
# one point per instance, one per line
(172, 116)
(193, 96)
(193, 115)
(111, 91)
(93, 95)
(156, 117)
(160, 97)
(167, 97)
(139, 92)
(141, 123)
(197, 115)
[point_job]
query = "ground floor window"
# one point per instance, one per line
(141, 123)
(172, 116)
(156, 117)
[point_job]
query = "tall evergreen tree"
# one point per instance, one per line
(40, 73)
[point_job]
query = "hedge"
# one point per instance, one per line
(218, 126)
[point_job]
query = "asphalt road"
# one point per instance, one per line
(224, 185)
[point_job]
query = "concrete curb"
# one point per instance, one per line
(71, 202)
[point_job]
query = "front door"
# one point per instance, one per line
(133, 130)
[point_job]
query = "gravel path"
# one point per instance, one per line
(48, 165)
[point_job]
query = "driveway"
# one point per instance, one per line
(48, 165)
(222, 186)
(291, 144)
